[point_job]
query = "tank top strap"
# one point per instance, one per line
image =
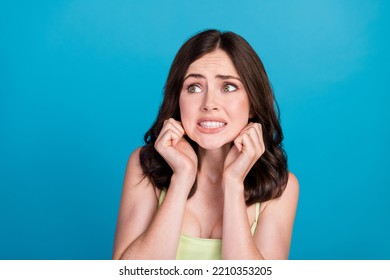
(161, 198)
(257, 211)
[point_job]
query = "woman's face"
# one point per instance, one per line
(214, 105)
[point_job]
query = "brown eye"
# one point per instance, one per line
(229, 88)
(194, 89)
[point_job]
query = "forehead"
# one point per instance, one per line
(216, 62)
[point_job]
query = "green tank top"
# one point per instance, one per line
(195, 248)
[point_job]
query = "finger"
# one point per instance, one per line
(238, 142)
(250, 126)
(176, 124)
(173, 137)
(259, 130)
(252, 130)
(246, 157)
(248, 145)
(255, 133)
(168, 138)
(250, 152)
(171, 125)
(246, 127)
(256, 137)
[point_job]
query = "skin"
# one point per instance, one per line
(212, 92)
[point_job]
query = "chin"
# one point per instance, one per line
(212, 145)
(211, 141)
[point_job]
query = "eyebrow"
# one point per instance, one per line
(222, 77)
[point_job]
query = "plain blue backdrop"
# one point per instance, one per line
(81, 82)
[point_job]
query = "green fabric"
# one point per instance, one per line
(195, 248)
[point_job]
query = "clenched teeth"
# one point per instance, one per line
(211, 124)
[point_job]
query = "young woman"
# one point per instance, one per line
(211, 181)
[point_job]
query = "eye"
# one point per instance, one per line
(194, 88)
(229, 88)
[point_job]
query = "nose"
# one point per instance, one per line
(210, 102)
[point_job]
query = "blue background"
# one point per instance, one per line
(81, 81)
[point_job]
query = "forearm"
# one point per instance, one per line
(160, 240)
(237, 241)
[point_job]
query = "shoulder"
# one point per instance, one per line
(138, 192)
(138, 205)
(292, 184)
(290, 194)
(134, 160)
(134, 176)
(273, 235)
(134, 171)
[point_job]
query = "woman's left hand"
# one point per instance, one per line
(247, 149)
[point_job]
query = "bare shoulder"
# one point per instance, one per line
(133, 168)
(273, 235)
(134, 181)
(290, 194)
(137, 206)
(134, 176)
(289, 197)
(292, 187)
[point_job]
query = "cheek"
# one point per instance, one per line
(185, 114)
(241, 111)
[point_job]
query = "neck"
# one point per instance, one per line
(211, 163)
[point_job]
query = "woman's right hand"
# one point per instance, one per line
(176, 150)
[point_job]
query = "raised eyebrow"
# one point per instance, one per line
(227, 77)
(194, 75)
(222, 77)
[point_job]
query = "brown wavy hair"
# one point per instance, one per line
(268, 177)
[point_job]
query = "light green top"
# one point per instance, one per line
(195, 248)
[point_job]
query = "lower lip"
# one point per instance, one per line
(210, 130)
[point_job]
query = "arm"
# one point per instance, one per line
(273, 234)
(275, 225)
(237, 241)
(143, 231)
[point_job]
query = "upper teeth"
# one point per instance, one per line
(211, 124)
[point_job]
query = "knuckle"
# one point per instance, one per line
(261, 151)
(168, 121)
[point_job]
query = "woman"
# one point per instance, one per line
(212, 180)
